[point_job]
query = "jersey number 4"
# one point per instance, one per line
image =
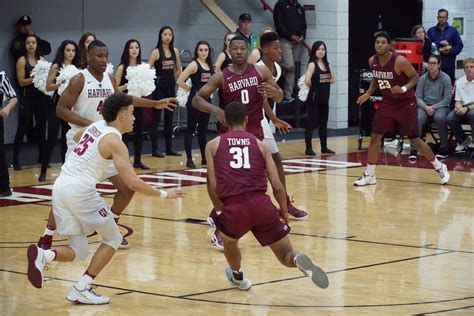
(83, 145)
(384, 84)
(240, 158)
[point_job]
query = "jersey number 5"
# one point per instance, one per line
(83, 145)
(384, 84)
(240, 158)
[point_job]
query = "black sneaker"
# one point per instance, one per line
(309, 152)
(158, 154)
(413, 154)
(442, 153)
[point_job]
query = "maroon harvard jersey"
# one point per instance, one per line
(239, 165)
(243, 88)
(387, 78)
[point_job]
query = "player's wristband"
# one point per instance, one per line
(404, 89)
(163, 194)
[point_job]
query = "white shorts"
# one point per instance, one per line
(78, 209)
(268, 138)
(109, 172)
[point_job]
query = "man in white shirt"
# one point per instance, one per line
(464, 107)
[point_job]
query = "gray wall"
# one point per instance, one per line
(113, 21)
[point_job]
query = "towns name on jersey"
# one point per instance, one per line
(99, 93)
(238, 141)
(383, 74)
(243, 83)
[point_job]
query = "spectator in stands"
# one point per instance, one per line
(245, 30)
(17, 47)
(429, 48)
(290, 23)
(463, 112)
(447, 41)
(6, 93)
(433, 95)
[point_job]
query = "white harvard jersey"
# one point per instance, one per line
(89, 103)
(85, 164)
(277, 68)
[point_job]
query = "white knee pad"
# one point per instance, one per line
(80, 247)
(110, 233)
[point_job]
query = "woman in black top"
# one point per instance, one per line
(84, 42)
(223, 59)
(319, 76)
(418, 31)
(67, 54)
(32, 101)
(199, 70)
(131, 56)
(165, 59)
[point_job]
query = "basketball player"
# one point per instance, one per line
(80, 105)
(271, 54)
(79, 208)
(239, 166)
(248, 84)
(395, 77)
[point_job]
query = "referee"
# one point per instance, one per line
(6, 93)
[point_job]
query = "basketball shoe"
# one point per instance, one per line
(295, 213)
(45, 242)
(443, 174)
(217, 241)
(36, 264)
(365, 180)
(317, 275)
(86, 296)
(238, 280)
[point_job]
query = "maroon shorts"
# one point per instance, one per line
(252, 212)
(404, 115)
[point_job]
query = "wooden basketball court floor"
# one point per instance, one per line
(404, 246)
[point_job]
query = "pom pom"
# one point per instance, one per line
(65, 75)
(141, 80)
(110, 69)
(40, 76)
(303, 89)
(183, 95)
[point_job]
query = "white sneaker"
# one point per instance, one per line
(86, 296)
(36, 263)
(464, 144)
(243, 284)
(443, 174)
(365, 180)
(317, 275)
(210, 222)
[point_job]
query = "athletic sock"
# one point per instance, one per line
(437, 164)
(49, 230)
(85, 280)
(370, 170)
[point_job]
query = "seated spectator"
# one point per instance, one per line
(433, 95)
(463, 112)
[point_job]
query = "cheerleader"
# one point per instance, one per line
(223, 59)
(165, 59)
(199, 70)
(67, 54)
(32, 101)
(319, 77)
(84, 42)
(132, 56)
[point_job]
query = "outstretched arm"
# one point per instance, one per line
(199, 100)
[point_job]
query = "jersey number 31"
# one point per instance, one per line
(240, 158)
